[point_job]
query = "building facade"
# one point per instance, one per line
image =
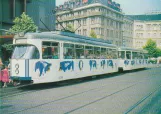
(106, 21)
(145, 27)
(128, 27)
(36, 9)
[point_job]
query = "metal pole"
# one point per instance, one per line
(14, 8)
(25, 6)
(1, 16)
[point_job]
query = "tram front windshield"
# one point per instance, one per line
(25, 52)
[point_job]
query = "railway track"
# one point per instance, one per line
(27, 88)
(76, 94)
(22, 89)
(133, 107)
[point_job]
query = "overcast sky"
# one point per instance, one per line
(134, 6)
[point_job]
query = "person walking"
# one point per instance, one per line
(1, 65)
(5, 76)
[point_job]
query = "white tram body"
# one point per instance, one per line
(57, 56)
(130, 58)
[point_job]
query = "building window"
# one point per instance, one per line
(79, 13)
(79, 32)
(102, 31)
(84, 21)
(108, 33)
(155, 35)
(85, 32)
(111, 24)
(84, 12)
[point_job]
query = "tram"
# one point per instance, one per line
(130, 58)
(56, 56)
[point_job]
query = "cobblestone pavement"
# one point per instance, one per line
(111, 95)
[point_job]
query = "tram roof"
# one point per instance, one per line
(66, 36)
(132, 49)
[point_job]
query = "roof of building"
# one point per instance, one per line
(146, 17)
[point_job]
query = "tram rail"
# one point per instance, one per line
(76, 94)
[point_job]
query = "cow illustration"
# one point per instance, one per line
(66, 65)
(126, 62)
(103, 62)
(132, 62)
(42, 66)
(110, 63)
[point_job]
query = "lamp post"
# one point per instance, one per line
(25, 6)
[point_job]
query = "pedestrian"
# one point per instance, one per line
(1, 65)
(5, 76)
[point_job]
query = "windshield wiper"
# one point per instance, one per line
(22, 55)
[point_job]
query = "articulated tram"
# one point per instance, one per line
(57, 56)
(130, 58)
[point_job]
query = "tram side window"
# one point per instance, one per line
(128, 55)
(69, 51)
(50, 50)
(134, 55)
(114, 54)
(121, 54)
(97, 52)
(141, 56)
(103, 53)
(109, 54)
(145, 56)
(79, 49)
(89, 52)
(36, 54)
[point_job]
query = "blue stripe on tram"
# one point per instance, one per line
(27, 68)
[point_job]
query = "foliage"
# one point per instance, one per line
(152, 49)
(153, 61)
(24, 23)
(8, 47)
(93, 34)
(70, 28)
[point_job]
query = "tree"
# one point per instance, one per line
(70, 28)
(158, 52)
(152, 49)
(24, 23)
(93, 34)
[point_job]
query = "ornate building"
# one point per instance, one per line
(128, 27)
(145, 27)
(102, 16)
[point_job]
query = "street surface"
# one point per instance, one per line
(131, 92)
